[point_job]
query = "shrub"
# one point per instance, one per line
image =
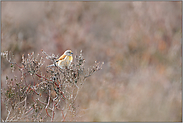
(39, 95)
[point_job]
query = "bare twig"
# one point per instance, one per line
(48, 105)
(9, 111)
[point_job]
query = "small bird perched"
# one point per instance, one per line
(64, 60)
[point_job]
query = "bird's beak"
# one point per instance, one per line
(72, 53)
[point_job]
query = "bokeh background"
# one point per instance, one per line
(139, 42)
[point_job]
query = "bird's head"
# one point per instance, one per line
(68, 53)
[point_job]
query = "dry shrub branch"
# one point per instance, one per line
(39, 95)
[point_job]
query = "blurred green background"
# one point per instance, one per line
(139, 42)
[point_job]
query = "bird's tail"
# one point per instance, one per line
(52, 65)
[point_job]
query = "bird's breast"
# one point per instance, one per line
(70, 58)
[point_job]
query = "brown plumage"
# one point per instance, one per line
(62, 57)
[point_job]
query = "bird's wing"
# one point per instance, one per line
(61, 57)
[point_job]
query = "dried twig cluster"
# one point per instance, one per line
(35, 96)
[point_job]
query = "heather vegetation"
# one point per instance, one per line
(138, 42)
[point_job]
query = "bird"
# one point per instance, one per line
(64, 60)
